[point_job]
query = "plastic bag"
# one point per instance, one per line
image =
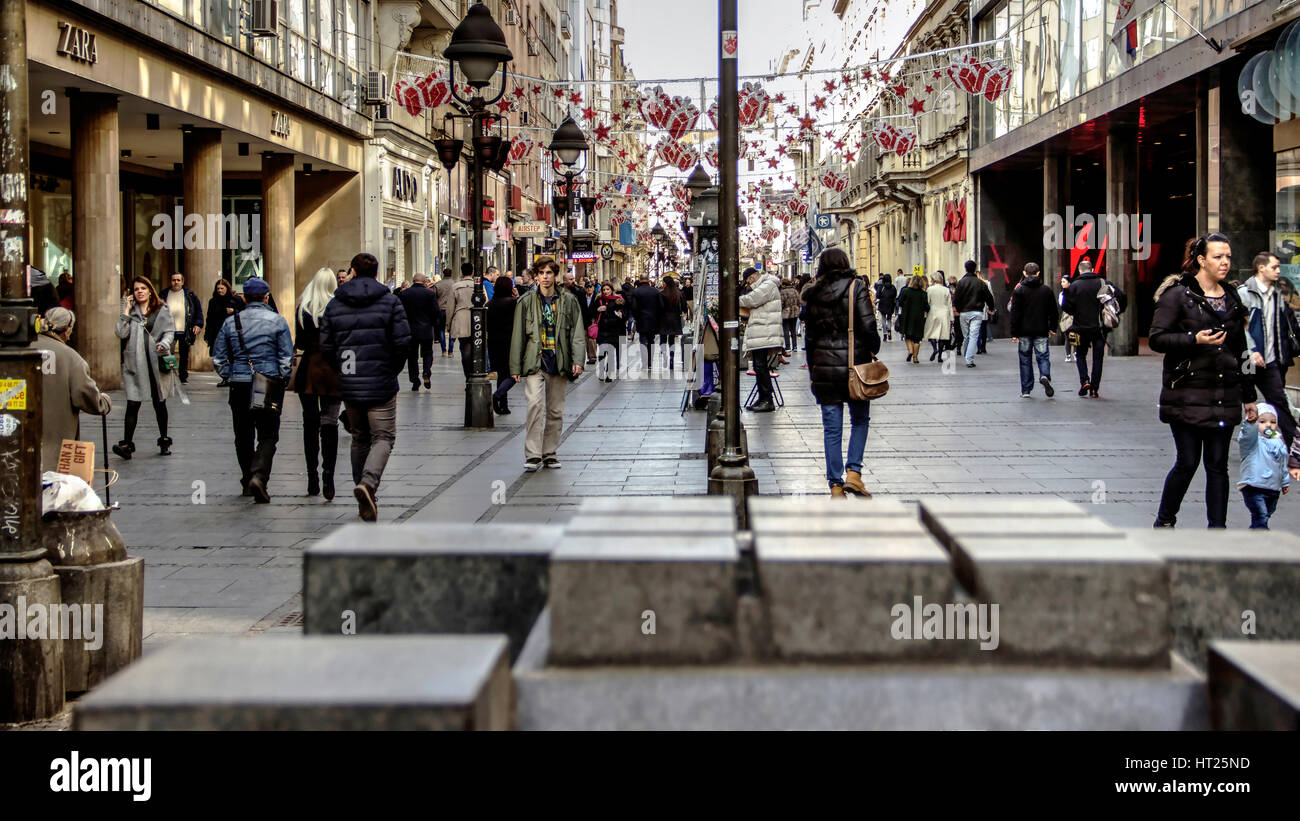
(63, 491)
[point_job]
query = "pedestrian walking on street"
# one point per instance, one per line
(1083, 301)
(365, 338)
(990, 317)
(1200, 327)
(187, 319)
(938, 322)
(444, 290)
(1034, 317)
(317, 385)
(66, 389)
(1065, 319)
(421, 306)
(223, 303)
(972, 301)
(790, 306)
(763, 333)
(253, 341)
(147, 367)
(1270, 338)
(647, 308)
(590, 300)
(827, 326)
(670, 332)
(546, 351)
(913, 304)
(500, 330)
(458, 319)
(1264, 477)
(611, 327)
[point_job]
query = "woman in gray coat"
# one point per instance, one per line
(763, 333)
(147, 328)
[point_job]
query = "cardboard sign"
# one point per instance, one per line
(78, 459)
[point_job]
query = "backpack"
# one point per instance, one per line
(1109, 306)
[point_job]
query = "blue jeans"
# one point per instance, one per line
(1261, 504)
(971, 322)
(1039, 346)
(833, 438)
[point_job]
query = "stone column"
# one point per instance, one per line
(201, 185)
(278, 230)
(96, 234)
(1055, 258)
(1121, 199)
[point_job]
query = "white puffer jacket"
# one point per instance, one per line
(764, 302)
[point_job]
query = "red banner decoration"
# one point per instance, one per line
(954, 223)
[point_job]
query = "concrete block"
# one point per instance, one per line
(417, 578)
(663, 525)
(31, 668)
(1223, 583)
(1089, 601)
(605, 594)
(1254, 685)
(654, 505)
(823, 506)
(117, 589)
(309, 683)
(833, 599)
(1004, 507)
(841, 527)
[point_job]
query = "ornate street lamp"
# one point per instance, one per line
(568, 145)
(478, 47)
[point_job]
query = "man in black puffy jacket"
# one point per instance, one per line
(422, 313)
(1080, 301)
(365, 337)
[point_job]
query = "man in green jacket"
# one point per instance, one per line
(547, 346)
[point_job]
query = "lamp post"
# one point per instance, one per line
(478, 47)
(660, 238)
(732, 476)
(568, 145)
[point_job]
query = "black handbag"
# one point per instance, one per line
(268, 391)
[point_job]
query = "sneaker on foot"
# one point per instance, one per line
(366, 506)
(970, 364)
(1024, 396)
(1047, 386)
(551, 462)
(531, 465)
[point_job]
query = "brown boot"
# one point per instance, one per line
(853, 484)
(837, 491)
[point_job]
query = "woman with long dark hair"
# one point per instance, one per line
(223, 303)
(670, 328)
(611, 326)
(147, 327)
(913, 305)
(317, 385)
(1200, 327)
(826, 321)
(500, 328)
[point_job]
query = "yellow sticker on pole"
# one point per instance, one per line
(918, 270)
(13, 394)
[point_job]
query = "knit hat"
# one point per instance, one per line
(1262, 408)
(59, 319)
(256, 287)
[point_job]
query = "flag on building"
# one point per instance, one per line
(1125, 33)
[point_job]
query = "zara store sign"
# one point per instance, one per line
(77, 43)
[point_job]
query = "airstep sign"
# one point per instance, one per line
(531, 229)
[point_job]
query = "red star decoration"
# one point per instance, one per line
(627, 104)
(772, 163)
(899, 89)
(829, 85)
(866, 74)
(884, 76)
(830, 135)
(575, 98)
(558, 93)
(536, 90)
(616, 117)
(602, 133)
(917, 106)
(849, 157)
(778, 99)
(519, 91)
(589, 113)
(936, 75)
(622, 153)
(819, 103)
(929, 89)
(792, 110)
(505, 106)
(846, 80)
(839, 145)
(806, 123)
(780, 149)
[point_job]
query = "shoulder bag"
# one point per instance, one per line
(869, 380)
(268, 392)
(167, 362)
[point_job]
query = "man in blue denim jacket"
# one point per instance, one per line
(268, 346)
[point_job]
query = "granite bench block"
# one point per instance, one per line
(823, 506)
(310, 683)
(1222, 582)
(1254, 685)
(663, 525)
(1004, 507)
(863, 527)
(655, 505)
(415, 578)
(1088, 601)
(603, 592)
(834, 599)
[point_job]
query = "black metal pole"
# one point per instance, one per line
(732, 476)
(568, 223)
(478, 391)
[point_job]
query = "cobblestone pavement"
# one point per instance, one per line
(217, 563)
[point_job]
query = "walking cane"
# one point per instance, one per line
(108, 494)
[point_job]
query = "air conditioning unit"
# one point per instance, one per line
(565, 31)
(266, 16)
(376, 87)
(511, 16)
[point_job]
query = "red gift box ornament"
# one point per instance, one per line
(520, 148)
(905, 143)
(434, 90)
(681, 116)
(834, 181)
(655, 106)
(885, 136)
(968, 73)
(679, 156)
(408, 97)
(754, 102)
(995, 81)
(713, 113)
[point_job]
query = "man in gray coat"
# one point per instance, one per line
(67, 387)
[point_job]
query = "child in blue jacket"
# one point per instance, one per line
(1263, 465)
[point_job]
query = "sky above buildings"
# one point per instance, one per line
(679, 38)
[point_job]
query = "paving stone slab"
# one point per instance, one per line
(309, 683)
(1225, 583)
(835, 599)
(865, 527)
(603, 593)
(646, 505)
(1004, 507)
(427, 578)
(613, 525)
(1254, 685)
(1087, 601)
(822, 506)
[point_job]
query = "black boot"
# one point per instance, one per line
(165, 445)
(311, 449)
(329, 446)
(124, 449)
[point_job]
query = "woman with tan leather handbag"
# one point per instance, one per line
(843, 371)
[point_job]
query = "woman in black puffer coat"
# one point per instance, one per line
(500, 329)
(826, 320)
(1200, 327)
